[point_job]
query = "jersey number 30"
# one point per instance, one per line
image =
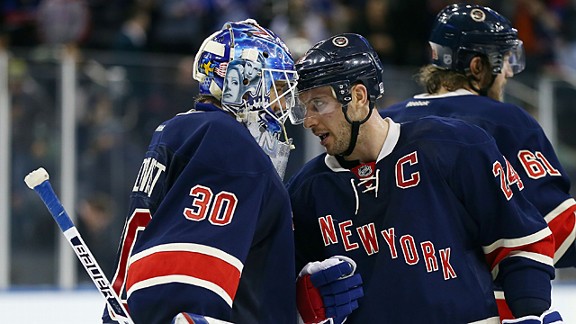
(218, 209)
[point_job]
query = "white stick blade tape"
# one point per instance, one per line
(36, 177)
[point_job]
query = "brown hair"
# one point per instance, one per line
(433, 78)
(202, 98)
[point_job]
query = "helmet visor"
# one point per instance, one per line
(517, 58)
(313, 102)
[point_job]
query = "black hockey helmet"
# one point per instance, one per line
(463, 31)
(340, 62)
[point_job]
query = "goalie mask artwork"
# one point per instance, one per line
(252, 72)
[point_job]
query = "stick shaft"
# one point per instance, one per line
(38, 180)
(48, 196)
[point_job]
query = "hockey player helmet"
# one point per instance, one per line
(340, 62)
(241, 65)
(251, 71)
(463, 31)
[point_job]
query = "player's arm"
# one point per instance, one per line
(327, 290)
(548, 188)
(517, 243)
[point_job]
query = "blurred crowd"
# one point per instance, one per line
(397, 28)
(119, 104)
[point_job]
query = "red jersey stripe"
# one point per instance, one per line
(562, 223)
(538, 246)
(191, 265)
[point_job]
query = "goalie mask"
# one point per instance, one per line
(251, 71)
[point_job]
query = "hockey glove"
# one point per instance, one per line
(549, 317)
(328, 291)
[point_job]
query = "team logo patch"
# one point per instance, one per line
(447, 59)
(340, 41)
(365, 170)
(477, 15)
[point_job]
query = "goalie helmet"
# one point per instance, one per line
(251, 71)
(240, 64)
(463, 31)
(340, 62)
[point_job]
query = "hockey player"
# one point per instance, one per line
(210, 230)
(474, 51)
(430, 210)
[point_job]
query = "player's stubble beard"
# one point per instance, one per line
(341, 139)
(496, 90)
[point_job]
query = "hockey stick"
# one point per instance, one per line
(38, 180)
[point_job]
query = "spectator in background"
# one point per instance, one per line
(106, 19)
(538, 27)
(33, 126)
(132, 36)
(179, 24)
(302, 23)
(397, 31)
(373, 21)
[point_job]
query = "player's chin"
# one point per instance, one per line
(333, 151)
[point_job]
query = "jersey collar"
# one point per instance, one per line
(459, 92)
(389, 144)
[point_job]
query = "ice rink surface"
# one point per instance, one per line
(85, 306)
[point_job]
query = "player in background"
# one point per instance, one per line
(210, 228)
(429, 210)
(474, 50)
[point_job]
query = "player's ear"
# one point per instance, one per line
(359, 94)
(477, 66)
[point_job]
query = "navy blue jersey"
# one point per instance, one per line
(210, 228)
(521, 139)
(433, 225)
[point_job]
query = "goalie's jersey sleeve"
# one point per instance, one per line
(210, 229)
(522, 140)
(443, 223)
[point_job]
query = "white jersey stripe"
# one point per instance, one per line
(181, 279)
(190, 247)
(517, 242)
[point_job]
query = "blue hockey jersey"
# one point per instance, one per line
(210, 228)
(521, 139)
(433, 224)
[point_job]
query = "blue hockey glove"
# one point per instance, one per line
(328, 291)
(549, 317)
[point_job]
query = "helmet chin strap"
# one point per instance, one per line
(355, 125)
